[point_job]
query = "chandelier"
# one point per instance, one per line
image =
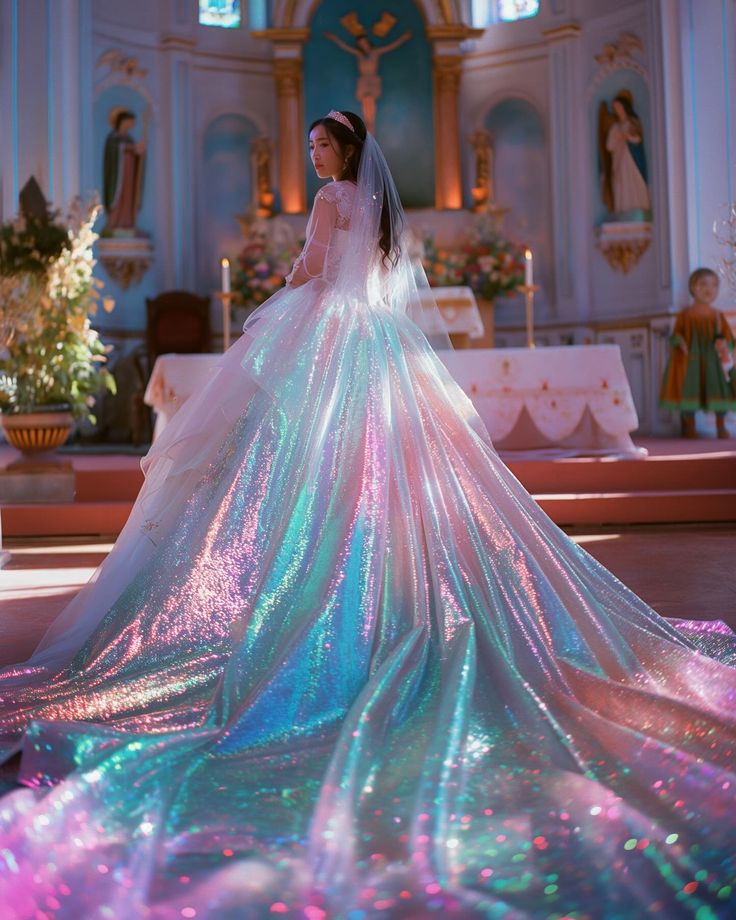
(724, 229)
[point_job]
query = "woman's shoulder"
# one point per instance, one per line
(341, 194)
(336, 191)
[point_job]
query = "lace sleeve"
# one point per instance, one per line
(310, 263)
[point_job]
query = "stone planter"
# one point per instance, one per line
(35, 433)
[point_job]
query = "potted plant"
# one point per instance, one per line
(52, 363)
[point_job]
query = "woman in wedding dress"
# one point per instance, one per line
(340, 665)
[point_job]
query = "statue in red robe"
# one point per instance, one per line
(123, 174)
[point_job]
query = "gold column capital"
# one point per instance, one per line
(448, 71)
(289, 76)
(292, 36)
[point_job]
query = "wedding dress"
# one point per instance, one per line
(340, 664)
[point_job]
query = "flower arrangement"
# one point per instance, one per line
(260, 272)
(50, 357)
(444, 267)
(486, 262)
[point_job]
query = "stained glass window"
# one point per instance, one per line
(486, 12)
(509, 10)
(223, 13)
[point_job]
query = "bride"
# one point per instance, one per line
(340, 664)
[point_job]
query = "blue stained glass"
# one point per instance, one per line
(486, 12)
(223, 13)
(508, 10)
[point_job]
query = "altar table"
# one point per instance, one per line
(459, 310)
(569, 400)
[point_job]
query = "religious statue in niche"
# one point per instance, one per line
(368, 90)
(484, 190)
(123, 173)
(623, 162)
(624, 223)
(125, 251)
(263, 196)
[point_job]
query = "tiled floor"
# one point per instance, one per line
(687, 572)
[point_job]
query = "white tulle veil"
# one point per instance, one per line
(396, 281)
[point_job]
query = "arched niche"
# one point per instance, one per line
(404, 115)
(522, 179)
(112, 100)
(225, 191)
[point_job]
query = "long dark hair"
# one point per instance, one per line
(345, 139)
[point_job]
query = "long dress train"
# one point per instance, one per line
(340, 664)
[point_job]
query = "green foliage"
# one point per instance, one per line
(28, 245)
(49, 354)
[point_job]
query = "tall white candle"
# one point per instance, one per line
(528, 268)
(225, 266)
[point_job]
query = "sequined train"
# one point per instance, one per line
(341, 665)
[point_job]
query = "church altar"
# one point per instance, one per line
(459, 310)
(569, 399)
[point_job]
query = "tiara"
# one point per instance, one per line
(343, 119)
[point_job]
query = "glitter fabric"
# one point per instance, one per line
(340, 665)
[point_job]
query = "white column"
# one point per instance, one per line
(177, 133)
(708, 48)
(44, 46)
(570, 233)
(669, 182)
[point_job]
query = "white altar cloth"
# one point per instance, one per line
(459, 310)
(572, 398)
(569, 400)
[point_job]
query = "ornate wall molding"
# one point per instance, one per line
(616, 56)
(623, 244)
(125, 260)
(126, 67)
(123, 71)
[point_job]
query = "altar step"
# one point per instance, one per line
(679, 482)
(78, 518)
(666, 487)
(105, 486)
(597, 508)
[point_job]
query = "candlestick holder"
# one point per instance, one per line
(529, 290)
(227, 298)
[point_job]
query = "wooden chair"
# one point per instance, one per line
(179, 322)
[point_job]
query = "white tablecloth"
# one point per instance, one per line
(459, 310)
(574, 398)
(571, 400)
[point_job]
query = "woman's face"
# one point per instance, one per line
(618, 110)
(705, 289)
(326, 156)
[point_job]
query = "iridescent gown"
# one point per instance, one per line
(341, 665)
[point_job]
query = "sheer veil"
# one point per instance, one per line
(395, 281)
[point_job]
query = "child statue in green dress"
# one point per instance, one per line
(700, 371)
